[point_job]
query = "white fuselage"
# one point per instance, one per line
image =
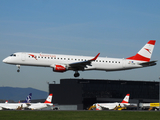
(37, 106)
(110, 106)
(49, 60)
(12, 106)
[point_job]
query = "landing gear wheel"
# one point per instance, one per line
(18, 68)
(76, 74)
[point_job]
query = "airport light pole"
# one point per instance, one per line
(48, 87)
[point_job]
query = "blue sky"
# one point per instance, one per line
(115, 28)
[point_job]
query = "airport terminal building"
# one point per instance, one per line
(82, 93)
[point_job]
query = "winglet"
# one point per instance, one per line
(95, 57)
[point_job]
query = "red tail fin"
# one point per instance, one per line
(145, 53)
(126, 99)
(49, 99)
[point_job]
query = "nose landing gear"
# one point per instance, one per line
(18, 68)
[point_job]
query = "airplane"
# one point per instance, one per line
(63, 63)
(111, 106)
(150, 106)
(37, 106)
(16, 106)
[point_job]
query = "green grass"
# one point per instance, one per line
(79, 115)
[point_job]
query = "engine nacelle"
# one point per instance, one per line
(59, 68)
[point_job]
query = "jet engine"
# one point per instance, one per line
(60, 68)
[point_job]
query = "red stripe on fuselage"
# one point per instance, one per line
(124, 101)
(47, 102)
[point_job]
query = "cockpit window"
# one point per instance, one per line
(13, 55)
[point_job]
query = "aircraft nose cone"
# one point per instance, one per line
(4, 60)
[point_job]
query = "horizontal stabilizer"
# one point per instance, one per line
(151, 63)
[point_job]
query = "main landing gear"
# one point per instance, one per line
(18, 68)
(76, 74)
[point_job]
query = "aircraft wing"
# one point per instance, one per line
(83, 64)
(150, 63)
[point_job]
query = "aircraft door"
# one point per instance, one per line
(23, 56)
(124, 63)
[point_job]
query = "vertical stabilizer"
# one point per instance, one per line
(126, 99)
(98, 107)
(49, 99)
(145, 53)
(28, 99)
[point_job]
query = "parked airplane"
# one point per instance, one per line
(15, 106)
(111, 106)
(150, 106)
(36, 106)
(62, 63)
